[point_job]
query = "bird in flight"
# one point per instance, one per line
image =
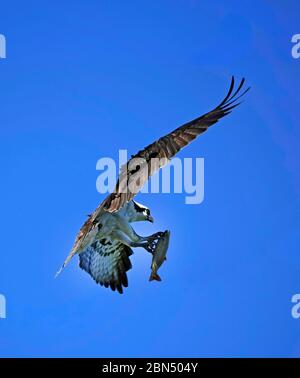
(105, 241)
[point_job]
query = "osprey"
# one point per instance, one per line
(105, 241)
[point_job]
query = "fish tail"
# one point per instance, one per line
(154, 277)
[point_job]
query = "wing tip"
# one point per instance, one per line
(230, 100)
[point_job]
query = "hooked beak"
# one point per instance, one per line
(150, 219)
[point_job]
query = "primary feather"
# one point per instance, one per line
(168, 146)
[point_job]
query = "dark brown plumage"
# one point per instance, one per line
(159, 152)
(167, 147)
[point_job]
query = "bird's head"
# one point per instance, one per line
(141, 213)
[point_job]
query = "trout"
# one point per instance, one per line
(159, 255)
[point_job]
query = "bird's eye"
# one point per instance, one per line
(147, 211)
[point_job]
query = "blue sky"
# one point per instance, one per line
(83, 79)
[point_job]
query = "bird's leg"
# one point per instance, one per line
(123, 238)
(148, 243)
(153, 237)
(127, 229)
(153, 241)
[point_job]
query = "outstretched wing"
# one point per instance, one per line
(155, 156)
(107, 261)
(149, 160)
